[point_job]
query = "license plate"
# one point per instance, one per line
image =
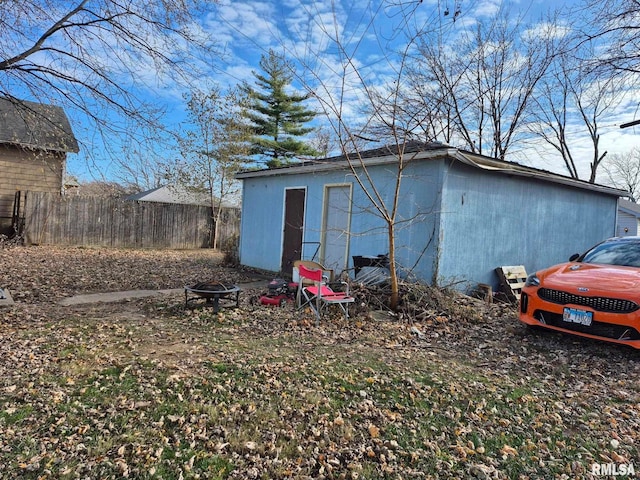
(574, 315)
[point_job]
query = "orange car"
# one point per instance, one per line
(594, 295)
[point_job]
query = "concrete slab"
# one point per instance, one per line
(5, 298)
(132, 294)
(115, 296)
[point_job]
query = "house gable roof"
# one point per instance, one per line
(629, 207)
(171, 194)
(175, 194)
(424, 151)
(36, 126)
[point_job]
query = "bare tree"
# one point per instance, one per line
(613, 23)
(623, 171)
(142, 162)
(386, 119)
(93, 57)
(103, 189)
(476, 90)
(323, 142)
(139, 170)
(570, 104)
(215, 147)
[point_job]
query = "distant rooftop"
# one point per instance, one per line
(630, 206)
(174, 194)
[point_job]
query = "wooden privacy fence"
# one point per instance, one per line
(111, 222)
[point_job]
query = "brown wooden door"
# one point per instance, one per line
(293, 228)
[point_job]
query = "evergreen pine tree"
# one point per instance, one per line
(277, 118)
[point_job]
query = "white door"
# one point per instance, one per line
(336, 224)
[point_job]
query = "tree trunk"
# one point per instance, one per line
(216, 214)
(393, 279)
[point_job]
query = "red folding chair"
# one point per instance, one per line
(319, 295)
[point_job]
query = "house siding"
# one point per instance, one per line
(627, 224)
(492, 219)
(27, 170)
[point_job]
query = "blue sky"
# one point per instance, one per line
(370, 31)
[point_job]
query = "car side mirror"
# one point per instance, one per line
(574, 257)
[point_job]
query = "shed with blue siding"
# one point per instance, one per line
(461, 215)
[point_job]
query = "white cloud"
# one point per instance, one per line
(546, 30)
(243, 24)
(487, 8)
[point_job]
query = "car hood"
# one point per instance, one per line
(591, 279)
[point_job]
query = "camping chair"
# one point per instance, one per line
(318, 295)
(311, 265)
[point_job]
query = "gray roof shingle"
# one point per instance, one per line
(35, 125)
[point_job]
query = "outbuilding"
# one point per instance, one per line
(461, 215)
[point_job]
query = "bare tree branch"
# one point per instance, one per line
(98, 58)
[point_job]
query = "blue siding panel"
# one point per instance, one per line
(492, 219)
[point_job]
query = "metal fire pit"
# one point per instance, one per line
(212, 293)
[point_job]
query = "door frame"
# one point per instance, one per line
(284, 217)
(325, 212)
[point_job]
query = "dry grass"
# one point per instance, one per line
(147, 389)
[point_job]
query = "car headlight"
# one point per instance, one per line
(532, 280)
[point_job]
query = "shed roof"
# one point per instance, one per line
(425, 151)
(35, 125)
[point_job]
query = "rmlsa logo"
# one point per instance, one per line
(613, 469)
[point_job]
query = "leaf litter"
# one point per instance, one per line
(448, 388)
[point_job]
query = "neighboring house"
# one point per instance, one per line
(461, 215)
(175, 194)
(70, 186)
(628, 218)
(34, 142)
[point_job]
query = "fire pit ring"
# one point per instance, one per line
(212, 293)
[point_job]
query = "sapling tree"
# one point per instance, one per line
(381, 103)
(214, 149)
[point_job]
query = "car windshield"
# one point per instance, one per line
(614, 253)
